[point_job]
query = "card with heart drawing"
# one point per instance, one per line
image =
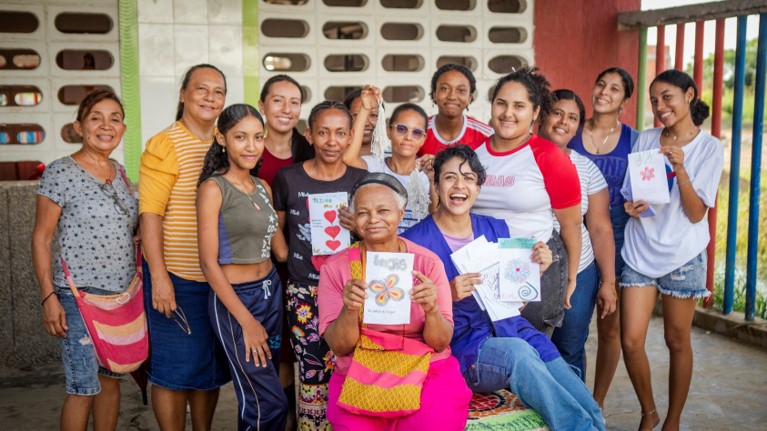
(328, 237)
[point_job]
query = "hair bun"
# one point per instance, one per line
(698, 111)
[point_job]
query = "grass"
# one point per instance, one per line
(741, 245)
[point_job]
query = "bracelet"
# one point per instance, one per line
(607, 282)
(46, 298)
(680, 184)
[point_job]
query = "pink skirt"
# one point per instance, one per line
(444, 404)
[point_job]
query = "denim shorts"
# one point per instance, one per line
(81, 367)
(687, 281)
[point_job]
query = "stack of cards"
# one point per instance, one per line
(501, 298)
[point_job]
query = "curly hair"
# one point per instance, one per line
(466, 154)
(536, 84)
(216, 160)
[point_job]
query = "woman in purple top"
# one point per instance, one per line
(607, 142)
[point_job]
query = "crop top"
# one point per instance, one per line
(246, 223)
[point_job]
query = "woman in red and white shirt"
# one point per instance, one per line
(452, 90)
(527, 178)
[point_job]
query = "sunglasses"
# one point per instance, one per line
(109, 189)
(180, 318)
(402, 131)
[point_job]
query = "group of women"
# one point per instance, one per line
(229, 270)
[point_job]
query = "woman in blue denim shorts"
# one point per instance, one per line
(665, 246)
(87, 198)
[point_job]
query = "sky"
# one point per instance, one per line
(730, 30)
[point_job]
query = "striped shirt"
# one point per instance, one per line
(592, 181)
(170, 169)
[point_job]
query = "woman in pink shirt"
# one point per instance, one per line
(378, 204)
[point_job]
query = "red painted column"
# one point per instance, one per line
(574, 40)
(660, 58)
(716, 130)
(679, 57)
(698, 68)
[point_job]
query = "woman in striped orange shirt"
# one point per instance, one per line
(186, 365)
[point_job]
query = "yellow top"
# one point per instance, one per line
(170, 167)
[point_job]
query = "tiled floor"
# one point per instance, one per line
(729, 391)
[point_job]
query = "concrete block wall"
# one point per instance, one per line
(22, 337)
(48, 42)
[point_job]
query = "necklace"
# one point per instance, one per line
(594, 143)
(667, 134)
(243, 189)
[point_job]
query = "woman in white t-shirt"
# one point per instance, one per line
(666, 252)
(530, 182)
(597, 244)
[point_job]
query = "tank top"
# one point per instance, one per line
(246, 223)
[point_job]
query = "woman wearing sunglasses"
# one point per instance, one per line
(86, 196)
(407, 132)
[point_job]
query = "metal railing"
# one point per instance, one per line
(642, 21)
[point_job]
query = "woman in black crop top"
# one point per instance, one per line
(237, 226)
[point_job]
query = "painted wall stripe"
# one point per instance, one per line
(251, 60)
(130, 84)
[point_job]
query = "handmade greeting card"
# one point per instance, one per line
(481, 256)
(519, 276)
(328, 237)
(647, 174)
(389, 277)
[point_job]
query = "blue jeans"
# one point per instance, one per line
(552, 389)
(570, 338)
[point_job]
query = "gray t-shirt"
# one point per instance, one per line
(95, 227)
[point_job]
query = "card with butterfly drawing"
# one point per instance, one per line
(328, 237)
(389, 277)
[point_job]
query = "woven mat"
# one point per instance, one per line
(502, 411)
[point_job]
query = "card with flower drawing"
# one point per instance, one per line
(647, 175)
(389, 277)
(328, 237)
(520, 278)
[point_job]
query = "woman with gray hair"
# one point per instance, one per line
(378, 204)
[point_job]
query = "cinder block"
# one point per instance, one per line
(31, 344)
(6, 323)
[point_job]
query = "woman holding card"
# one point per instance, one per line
(441, 399)
(510, 352)
(530, 182)
(329, 132)
(666, 253)
(597, 244)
